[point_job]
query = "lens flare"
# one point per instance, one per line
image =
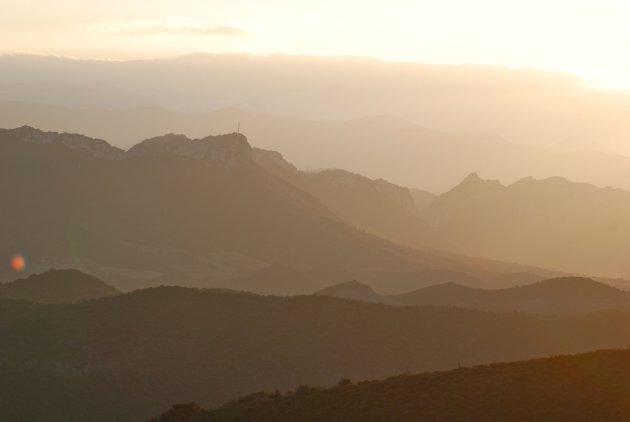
(18, 263)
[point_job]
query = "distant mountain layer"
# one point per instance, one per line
(586, 387)
(528, 107)
(568, 295)
(57, 286)
(573, 227)
(428, 155)
(148, 349)
(193, 211)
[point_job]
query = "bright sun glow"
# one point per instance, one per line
(18, 263)
(586, 37)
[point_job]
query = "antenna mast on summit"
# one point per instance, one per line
(238, 127)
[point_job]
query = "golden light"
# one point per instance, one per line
(18, 263)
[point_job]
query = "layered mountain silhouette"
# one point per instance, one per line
(398, 150)
(348, 242)
(193, 212)
(567, 295)
(586, 387)
(148, 349)
(573, 227)
(57, 286)
(375, 206)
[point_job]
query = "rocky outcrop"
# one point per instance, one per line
(230, 148)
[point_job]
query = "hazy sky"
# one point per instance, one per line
(586, 37)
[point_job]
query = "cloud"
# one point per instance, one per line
(165, 27)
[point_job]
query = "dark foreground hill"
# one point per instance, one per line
(586, 387)
(57, 286)
(129, 357)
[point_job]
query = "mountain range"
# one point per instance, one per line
(228, 227)
(401, 151)
(555, 223)
(194, 212)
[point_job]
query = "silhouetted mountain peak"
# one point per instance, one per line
(474, 181)
(96, 147)
(473, 177)
(229, 148)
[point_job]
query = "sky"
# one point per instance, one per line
(588, 38)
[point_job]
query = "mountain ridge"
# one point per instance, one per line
(577, 228)
(196, 221)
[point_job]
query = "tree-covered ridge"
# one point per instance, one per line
(585, 387)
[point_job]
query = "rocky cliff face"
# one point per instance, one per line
(230, 148)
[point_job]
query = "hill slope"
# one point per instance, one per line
(148, 349)
(57, 286)
(587, 387)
